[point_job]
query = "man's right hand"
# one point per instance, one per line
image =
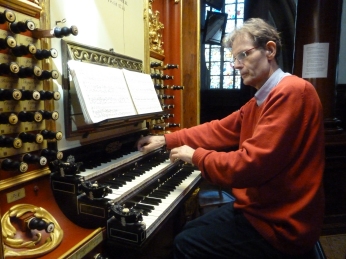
(149, 143)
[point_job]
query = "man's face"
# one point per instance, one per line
(254, 66)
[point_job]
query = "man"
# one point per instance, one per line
(276, 171)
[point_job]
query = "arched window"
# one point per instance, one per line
(221, 74)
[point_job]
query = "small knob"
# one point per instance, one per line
(168, 115)
(167, 106)
(30, 95)
(165, 96)
(44, 53)
(47, 115)
(12, 165)
(171, 66)
(7, 69)
(30, 137)
(25, 116)
(47, 134)
(34, 159)
(10, 142)
(177, 87)
(65, 31)
(8, 42)
(7, 16)
(40, 224)
(49, 95)
(54, 74)
(160, 86)
(10, 94)
(8, 118)
(155, 64)
(23, 50)
(29, 71)
(18, 27)
(51, 154)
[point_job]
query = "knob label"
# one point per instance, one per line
(15, 195)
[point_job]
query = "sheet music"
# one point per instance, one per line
(102, 91)
(142, 91)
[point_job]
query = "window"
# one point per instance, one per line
(222, 75)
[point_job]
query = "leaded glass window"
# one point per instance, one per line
(222, 74)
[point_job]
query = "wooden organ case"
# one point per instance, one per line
(102, 197)
(32, 224)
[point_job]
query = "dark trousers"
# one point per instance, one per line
(223, 233)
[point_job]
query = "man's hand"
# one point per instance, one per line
(184, 153)
(149, 143)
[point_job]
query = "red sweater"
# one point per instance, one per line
(276, 171)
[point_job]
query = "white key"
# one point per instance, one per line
(105, 167)
(160, 212)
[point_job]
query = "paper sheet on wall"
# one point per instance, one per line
(315, 60)
(102, 91)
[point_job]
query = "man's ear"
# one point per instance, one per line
(271, 49)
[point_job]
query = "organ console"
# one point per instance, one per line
(104, 193)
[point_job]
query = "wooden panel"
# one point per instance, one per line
(181, 36)
(190, 59)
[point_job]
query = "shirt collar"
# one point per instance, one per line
(272, 81)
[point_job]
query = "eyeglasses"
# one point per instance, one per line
(240, 56)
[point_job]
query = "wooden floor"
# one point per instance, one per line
(334, 246)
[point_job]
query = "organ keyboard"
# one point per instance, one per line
(156, 202)
(147, 183)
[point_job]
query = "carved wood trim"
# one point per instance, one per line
(23, 6)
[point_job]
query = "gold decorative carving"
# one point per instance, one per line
(103, 57)
(155, 30)
(34, 1)
(15, 246)
(22, 178)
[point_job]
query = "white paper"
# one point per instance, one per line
(102, 91)
(315, 60)
(142, 91)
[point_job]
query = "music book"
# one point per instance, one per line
(107, 92)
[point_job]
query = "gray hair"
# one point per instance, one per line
(260, 31)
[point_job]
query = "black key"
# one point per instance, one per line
(151, 201)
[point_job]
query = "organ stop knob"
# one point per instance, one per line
(12, 165)
(8, 42)
(40, 224)
(18, 27)
(7, 16)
